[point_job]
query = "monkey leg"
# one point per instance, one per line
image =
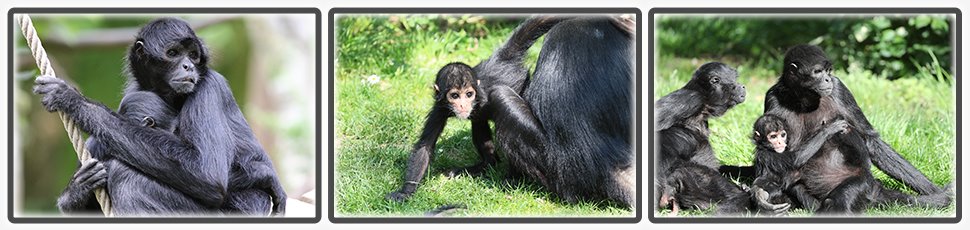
(520, 134)
(482, 138)
(847, 198)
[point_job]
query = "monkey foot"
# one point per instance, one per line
(397, 196)
(761, 197)
(474, 171)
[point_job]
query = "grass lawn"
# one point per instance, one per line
(915, 117)
(384, 72)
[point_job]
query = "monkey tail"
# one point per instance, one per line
(935, 200)
(526, 34)
(445, 210)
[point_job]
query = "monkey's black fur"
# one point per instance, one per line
(778, 173)
(570, 129)
(504, 68)
(569, 126)
(807, 96)
(686, 166)
(210, 164)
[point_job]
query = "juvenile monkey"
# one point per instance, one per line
(463, 91)
(778, 166)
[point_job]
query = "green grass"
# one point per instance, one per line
(916, 117)
(377, 124)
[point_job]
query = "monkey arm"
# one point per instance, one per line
(677, 107)
(881, 154)
(810, 147)
(482, 138)
(421, 155)
(196, 162)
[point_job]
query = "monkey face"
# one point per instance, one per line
(719, 83)
(183, 75)
(778, 140)
(167, 56)
(462, 101)
(808, 67)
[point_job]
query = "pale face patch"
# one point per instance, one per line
(462, 101)
(778, 140)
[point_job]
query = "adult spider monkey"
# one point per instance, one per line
(210, 164)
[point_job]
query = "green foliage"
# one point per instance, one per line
(916, 116)
(377, 122)
(891, 47)
(400, 40)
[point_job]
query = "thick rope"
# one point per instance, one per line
(77, 140)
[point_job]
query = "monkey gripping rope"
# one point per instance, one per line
(40, 56)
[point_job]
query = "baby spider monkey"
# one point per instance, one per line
(778, 166)
(460, 91)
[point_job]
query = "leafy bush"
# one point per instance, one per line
(891, 47)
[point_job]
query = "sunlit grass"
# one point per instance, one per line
(378, 123)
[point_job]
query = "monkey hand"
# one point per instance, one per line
(279, 201)
(57, 94)
(398, 196)
(762, 198)
(90, 176)
(404, 193)
(838, 126)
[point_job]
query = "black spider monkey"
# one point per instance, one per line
(807, 95)
(210, 163)
(777, 165)
(460, 92)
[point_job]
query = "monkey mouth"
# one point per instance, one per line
(183, 85)
(824, 91)
(184, 80)
(779, 149)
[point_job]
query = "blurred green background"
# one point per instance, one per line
(898, 68)
(268, 60)
(385, 67)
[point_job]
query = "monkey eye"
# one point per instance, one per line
(454, 95)
(784, 135)
(817, 71)
(172, 53)
(772, 136)
(714, 80)
(469, 94)
(194, 54)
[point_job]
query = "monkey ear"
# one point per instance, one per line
(757, 134)
(478, 82)
(139, 47)
(793, 65)
(435, 86)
